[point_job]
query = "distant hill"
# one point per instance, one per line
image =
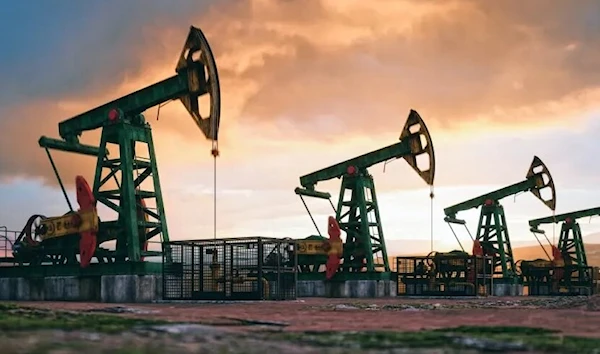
(407, 247)
(592, 238)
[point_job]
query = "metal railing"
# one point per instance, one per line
(255, 268)
(7, 241)
(444, 275)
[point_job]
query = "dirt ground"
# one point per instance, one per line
(572, 316)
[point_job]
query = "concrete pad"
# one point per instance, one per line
(130, 288)
(119, 288)
(347, 289)
(507, 290)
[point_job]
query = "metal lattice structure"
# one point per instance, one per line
(357, 212)
(446, 274)
(570, 242)
(566, 272)
(73, 243)
(492, 238)
(231, 269)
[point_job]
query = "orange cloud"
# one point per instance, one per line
(323, 71)
(349, 68)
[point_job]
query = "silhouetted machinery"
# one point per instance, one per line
(492, 238)
(458, 273)
(357, 212)
(566, 271)
(454, 273)
(71, 241)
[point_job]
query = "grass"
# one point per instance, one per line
(485, 338)
(14, 318)
(463, 337)
(47, 346)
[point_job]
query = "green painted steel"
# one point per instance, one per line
(140, 215)
(62, 145)
(492, 233)
(361, 162)
(358, 215)
(538, 177)
(573, 215)
(357, 211)
(492, 229)
(570, 242)
(130, 229)
(496, 195)
(131, 105)
(188, 85)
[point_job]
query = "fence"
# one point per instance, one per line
(231, 269)
(444, 275)
(7, 241)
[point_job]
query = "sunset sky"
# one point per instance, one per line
(305, 84)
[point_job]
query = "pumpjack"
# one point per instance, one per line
(492, 238)
(357, 212)
(570, 241)
(59, 240)
(567, 269)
